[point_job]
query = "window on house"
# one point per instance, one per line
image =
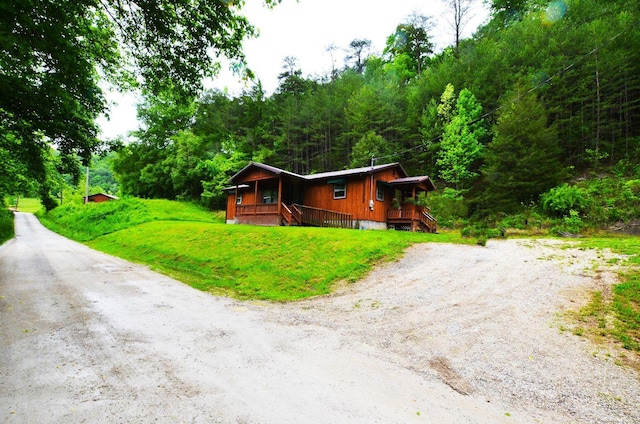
(269, 196)
(239, 199)
(340, 191)
(379, 193)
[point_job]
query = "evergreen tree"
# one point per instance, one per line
(523, 160)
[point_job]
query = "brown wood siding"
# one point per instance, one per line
(359, 192)
(248, 198)
(231, 205)
(254, 175)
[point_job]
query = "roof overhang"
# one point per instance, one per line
(422, 182)
(238, 187)
(271, 169)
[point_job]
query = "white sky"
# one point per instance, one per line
(304, 29)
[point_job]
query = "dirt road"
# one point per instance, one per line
(448, 334)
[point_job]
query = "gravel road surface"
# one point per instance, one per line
(456, 334)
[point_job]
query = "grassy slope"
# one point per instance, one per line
(276, 263)
(192, 245)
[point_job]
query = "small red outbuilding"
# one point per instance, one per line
(100, 197)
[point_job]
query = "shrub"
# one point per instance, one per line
(6, 224)
(559, 201)
(448, 207)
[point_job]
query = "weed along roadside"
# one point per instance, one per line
(283, 264)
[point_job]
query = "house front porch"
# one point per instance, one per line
(412, 219)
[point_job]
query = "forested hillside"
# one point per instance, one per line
(542, 94)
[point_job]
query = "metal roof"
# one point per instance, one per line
(322, 175)
(354, 171)
(272, 169)
(413, 180)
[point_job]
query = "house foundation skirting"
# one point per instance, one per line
(266, 220)
(371, 225)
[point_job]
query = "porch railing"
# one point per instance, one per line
(407, 215)
(292, 215)
(324, 218)
(429, 221)
(257, 209)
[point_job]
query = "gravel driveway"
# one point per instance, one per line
(460, 334)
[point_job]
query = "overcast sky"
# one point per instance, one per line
(304, 29)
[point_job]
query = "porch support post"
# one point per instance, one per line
(414, 214)
(280, 196)
(236, 204)
(255, 203)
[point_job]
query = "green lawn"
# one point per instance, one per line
(25, 204)
(247, 262)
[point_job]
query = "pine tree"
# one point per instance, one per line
(523, 160)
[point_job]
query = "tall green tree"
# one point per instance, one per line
(523, 160)
(55, 53)
(411, 42)
(144, 166)
(461, 144)
(370, 146)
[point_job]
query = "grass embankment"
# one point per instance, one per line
(616, 314)
(194, 246)
(6, 225)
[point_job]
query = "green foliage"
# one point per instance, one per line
(448, 207)
(370, 145)
(461, 145)
(101, 176)
(559, 201)
(87, 222)
(481, 233)
(612, 199)
(411, 44)
(220, 169)
(523, 160)
(560, 95)
(6, 224)
(57, 53)
(570, 224)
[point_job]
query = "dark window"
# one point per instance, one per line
(269, 196)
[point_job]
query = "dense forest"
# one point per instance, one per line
(543, 96)
(540, 95)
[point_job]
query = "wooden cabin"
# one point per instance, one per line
(373, 197)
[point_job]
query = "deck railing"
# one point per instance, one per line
(397, 216)
(257, 209)
(429, 221)
(292, 215)
(324, 218)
